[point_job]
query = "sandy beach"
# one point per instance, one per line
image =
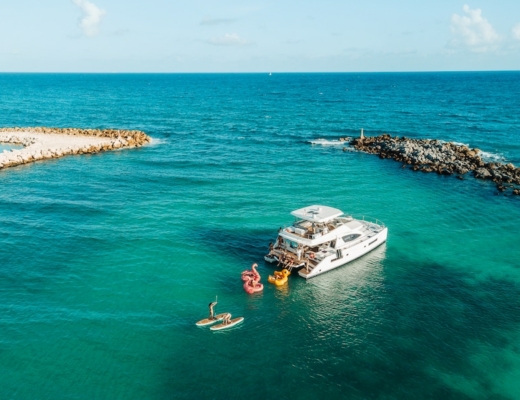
(46, 143)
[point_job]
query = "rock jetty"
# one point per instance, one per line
(44, 143)
(443, 158)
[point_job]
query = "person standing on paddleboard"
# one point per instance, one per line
(211, 310)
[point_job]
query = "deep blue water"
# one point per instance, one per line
(108, 260)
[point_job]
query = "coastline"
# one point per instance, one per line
(443, 158)
(42, 143)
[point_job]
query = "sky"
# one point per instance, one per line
(258, 36)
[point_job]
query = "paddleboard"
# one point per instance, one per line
(207, 321)
(231, 323)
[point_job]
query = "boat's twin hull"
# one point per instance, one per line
(348, 255)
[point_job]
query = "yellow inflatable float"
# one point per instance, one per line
(280, 277)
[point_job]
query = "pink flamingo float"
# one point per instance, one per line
(253, 286)
(251, 274)
(251, 280)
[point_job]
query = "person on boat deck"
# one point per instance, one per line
(211, 310)
(281, 258)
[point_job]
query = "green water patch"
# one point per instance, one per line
(483, 320)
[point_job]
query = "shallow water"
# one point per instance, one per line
(108, 260)
(8, 146)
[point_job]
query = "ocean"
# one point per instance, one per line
(108, 260)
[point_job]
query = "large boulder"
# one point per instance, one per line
(482, 173)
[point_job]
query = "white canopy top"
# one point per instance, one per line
(317, 213)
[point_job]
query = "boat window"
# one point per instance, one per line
(294, 245)
(351, 237)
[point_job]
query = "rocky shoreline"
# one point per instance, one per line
(43, 143)
(443, 158)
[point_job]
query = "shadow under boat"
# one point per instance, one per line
(245, 245)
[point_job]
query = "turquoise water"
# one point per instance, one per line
(108, 260)
(8, 146)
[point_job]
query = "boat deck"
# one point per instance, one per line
(306, 230)
(290, 260)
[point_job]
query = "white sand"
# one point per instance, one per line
(39, 146)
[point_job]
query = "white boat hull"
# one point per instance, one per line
(348, 254)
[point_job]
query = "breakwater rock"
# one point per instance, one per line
(443, 158)
(44, 143)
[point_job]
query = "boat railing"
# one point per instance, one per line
(369, 219)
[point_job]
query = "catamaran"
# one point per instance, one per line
(322, 238)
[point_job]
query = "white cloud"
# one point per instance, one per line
(229, 39)
(473, 31)
(516, 31)
(91, 18)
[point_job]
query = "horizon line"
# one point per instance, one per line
(253, 73)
